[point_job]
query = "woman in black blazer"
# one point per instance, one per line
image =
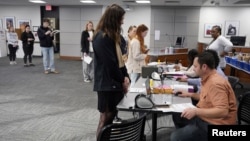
(111, 78)
(28, 39)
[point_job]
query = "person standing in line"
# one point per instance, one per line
(28, 45)
(220, 44)
(46, 37)
(216, 105)
(111, 78)
(12, 41)
(131, 34)
(87, 50)
(137, 54)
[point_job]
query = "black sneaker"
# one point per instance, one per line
(31, 64)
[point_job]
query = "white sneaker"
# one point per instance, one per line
(86, 80)
(14, 62)
(11, 63)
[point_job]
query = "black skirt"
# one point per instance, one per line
(108, 100)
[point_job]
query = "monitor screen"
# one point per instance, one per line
(238, 40)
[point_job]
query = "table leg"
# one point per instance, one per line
(154, 126)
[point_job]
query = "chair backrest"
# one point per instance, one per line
(244, 109)
(233, 81)
(129, 131)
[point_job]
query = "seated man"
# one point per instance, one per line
(217, 103)
(197, 81)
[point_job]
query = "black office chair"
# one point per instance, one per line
(132, 130)
(244, 109)
(234, 81)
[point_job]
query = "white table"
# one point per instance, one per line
(128, 103)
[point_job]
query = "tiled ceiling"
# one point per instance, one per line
(132, 2)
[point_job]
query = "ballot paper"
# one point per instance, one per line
(87, 59)
(176, 107)
(137, 90)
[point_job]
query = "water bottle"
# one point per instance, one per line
(166, 50)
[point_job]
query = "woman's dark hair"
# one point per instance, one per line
(191, 55)
(110, 22)
(216, 57)
(218, 28)
(206, 58)
(27, 26)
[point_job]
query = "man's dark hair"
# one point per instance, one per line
(206, 58)
(46, 20)
(216, 57)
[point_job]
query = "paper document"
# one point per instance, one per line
(176, 107)
(137, 90)
(55, 31)
(181, 107)
(87, 59)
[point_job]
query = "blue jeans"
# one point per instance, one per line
(196, 130)
(48, 58)
(134, 77)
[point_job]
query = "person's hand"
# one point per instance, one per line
(182, 79)
(85, 54)
(185, 94)
(48, 32)
(189, 113)
(89, 39)
(125, 85)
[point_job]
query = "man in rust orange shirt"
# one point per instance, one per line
(217, 103)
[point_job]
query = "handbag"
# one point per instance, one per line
(143, 102)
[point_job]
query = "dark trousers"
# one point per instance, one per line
(28, 51)
(12, 55)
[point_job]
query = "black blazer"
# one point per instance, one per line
(108, 75)
(24, 38)
(85, 41)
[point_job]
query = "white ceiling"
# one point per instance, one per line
(132, 2)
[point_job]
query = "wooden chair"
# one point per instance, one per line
(132, 130)
(244, 109)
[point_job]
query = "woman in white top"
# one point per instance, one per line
(12, 39)
(220, 44)
(137, 54)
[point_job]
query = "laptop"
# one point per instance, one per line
(158, 99)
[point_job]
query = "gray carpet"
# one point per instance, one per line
(54, 107)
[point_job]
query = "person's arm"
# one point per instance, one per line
(195, 96)
(83, 44)
(227, 46)
(41, 33)
(24, 37)
(137, 55)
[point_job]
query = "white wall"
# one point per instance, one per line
(74, 19)
(72, 23)
(31, 13)
(138, 15)
(222, 14)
